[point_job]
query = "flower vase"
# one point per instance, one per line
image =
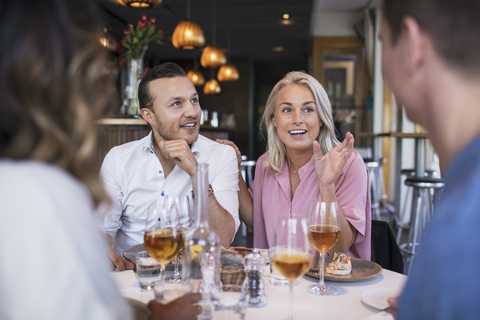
(135, 69)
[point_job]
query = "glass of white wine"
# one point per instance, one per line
(324, 231)
(163, 237)
(291, 252)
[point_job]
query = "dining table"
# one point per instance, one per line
(360, 299)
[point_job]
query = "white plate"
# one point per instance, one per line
(377, 297)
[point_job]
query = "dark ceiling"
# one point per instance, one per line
(249, 28)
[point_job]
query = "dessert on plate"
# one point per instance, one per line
(340, 265)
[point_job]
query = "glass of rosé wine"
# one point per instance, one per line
(291, 253)
(163, 237)
(323, 231)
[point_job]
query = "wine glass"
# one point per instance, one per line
(181, 204)
(291, 252)
(324, 231)
(163, 237)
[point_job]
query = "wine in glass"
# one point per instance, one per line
(163, 238)
(324, 231)
(181, 204)
(291, 252)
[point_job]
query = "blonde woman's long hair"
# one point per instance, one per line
(276, 149)
(54, 85)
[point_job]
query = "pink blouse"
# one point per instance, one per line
(271, 196)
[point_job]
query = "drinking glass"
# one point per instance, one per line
(324, 231)
(291, 252)
(163, 237)
(181, 204)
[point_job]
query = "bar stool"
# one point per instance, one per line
(425, 193)
(377, 188)
(400, 216)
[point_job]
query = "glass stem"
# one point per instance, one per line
(321, 271)
(162, 273)
(290, 317)
(176, 274)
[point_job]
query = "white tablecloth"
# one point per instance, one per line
(345, 304)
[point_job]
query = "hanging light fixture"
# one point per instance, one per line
(228, 72)
(213, 56)
(212, 87)
(196, 77)
(140, 3)
(188, 34)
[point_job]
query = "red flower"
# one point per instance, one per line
(136, 39)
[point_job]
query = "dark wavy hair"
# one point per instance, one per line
(54, 85)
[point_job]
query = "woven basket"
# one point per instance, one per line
(234, 275)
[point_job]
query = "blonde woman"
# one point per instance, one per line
(305, 162)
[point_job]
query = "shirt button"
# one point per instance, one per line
(160, 171)
(163, 193)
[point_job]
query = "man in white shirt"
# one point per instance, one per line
(141, 173)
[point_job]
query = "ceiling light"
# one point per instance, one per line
(212, 87)
(140, 3)
(228, 73)
(286, 16)
(188, 35)
(278, 49)
(212, 57)
(196, 77)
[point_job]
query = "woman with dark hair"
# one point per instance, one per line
(53, 85)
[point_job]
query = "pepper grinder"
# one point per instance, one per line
(254, 285)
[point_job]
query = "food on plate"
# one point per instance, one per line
(340, 265)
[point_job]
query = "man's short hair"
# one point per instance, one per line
(164, 70)
(452, 26)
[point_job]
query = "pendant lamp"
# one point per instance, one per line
(212, 87)
(188, 34)
(196, 77)
(140, 3)
(227, 72)
(212, 57)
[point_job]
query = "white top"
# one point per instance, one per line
(53, 258)
(134, 178)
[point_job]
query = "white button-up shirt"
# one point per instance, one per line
(134, 178)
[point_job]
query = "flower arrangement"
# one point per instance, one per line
(138, 37)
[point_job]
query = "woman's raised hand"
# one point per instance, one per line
(329, 166)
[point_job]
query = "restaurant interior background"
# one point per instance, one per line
(334, 40)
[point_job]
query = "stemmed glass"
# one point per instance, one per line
(181, 204)
(291, 251)
(163, 237)
(324, 231)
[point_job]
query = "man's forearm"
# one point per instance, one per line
(221, 222)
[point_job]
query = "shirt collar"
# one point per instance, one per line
(148, 143)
